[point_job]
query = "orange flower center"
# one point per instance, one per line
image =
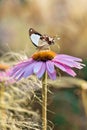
(4, 67)
(44, 55)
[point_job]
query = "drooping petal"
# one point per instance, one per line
(17, 73)
(62, 56)
(41, 71)
(51, 70)
(52, 75)
(20, 76)
(65, 69)
(21, 66)
(13, 70)
(70, 71)
(29, 70)
(23, 70)
(69, 63)
(50, 66)
(37, 66)
(60, 66)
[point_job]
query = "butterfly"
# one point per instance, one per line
(40, 40)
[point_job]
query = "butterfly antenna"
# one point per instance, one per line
(57, 38)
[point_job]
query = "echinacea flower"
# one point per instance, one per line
(4, 74)
(46, 60)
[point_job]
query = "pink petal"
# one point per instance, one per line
(51, 70)
(69, 63)
(28, 70)
(20, 76)
(60, 66)
(17, 73)
(62, 56)
(21, 65)
(70, 71)
(50, 66)
(29, 61)
(65, 69)
(52, 75)
(37, 66)
(41, 71)
(23, 70)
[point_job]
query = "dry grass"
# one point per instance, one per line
(15, 106)
(15, 100)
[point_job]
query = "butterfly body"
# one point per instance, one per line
(38, 39)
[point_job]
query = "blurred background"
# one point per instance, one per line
(68, 20)
(65, 18)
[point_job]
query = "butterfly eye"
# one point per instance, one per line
(30, 31)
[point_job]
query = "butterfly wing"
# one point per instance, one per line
(35, 39)
(34, 36)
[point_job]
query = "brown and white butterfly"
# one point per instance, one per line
(40, 40)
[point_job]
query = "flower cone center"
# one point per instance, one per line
(44, 55)
(4, 67)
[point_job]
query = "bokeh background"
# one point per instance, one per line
(68, 20)
(65, 18)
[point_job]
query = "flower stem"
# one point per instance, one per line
(44, 102)
(2, 116)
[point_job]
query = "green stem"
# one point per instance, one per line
(2, 116)
(44, 102)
